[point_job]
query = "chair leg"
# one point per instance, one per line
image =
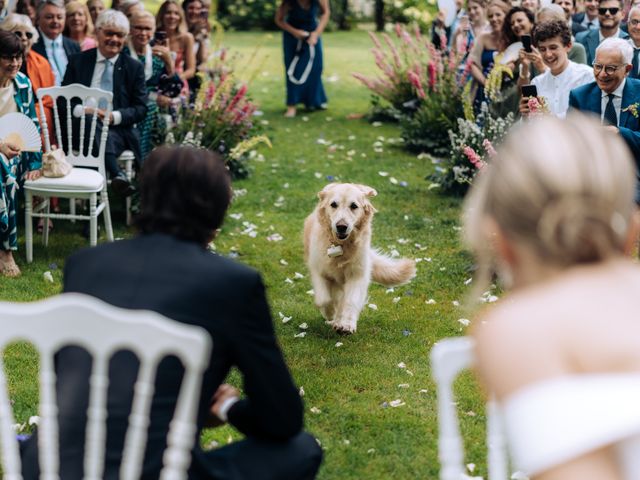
(107, 216)
(93, 221)
(128, 207)
(129, 174)
(72, 208)
(45, 228)
(28, 224)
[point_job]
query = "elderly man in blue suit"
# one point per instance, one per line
(609, 15)
(613, 97)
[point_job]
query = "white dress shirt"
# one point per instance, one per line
(555, 88)
(595, 23)
(601, 37)
(97, 77)
(617, 101)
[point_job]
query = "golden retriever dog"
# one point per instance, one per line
(338, 253)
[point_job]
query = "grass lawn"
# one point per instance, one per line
(348, 387)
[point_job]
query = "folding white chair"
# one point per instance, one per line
(80, 320)
(82, 183)
(448, 358)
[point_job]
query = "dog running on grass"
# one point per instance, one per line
(338, 253)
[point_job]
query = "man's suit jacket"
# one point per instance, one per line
(588, 98)
(591, 39)
(189, 284)
(69, 46)
(129, 91)
(577, 28)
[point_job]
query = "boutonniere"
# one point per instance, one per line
(632, 109)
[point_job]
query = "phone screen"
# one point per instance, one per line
(529, 91)
(526, 43)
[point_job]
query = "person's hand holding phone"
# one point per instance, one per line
(528, 92)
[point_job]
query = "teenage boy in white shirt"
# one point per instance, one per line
(552, 41)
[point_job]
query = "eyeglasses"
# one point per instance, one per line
(141, 28)
(611, 10)
(634, 22)
(608, 69)
(20, 34)
(111, 33)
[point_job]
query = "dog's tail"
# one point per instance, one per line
(391, 272)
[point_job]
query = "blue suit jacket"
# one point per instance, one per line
(591, 39)
(588, 98)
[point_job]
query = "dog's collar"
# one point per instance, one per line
(334, 251)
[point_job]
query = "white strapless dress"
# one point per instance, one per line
(551, 422)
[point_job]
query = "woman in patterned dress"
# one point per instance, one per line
(157, 61)
(16, 95)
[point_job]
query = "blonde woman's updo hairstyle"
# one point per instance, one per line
(562, 189)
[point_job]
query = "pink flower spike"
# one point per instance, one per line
(488, 147)
(473, 157)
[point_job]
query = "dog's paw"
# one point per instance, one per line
(343, 327)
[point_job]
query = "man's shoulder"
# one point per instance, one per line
(84, 57)
(633, 84)
(588, 35)
(578, 17)
(70, 44)
(586, 89)
(130, 63)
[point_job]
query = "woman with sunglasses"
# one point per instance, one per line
(16, 95)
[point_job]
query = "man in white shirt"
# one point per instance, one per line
(51, 44)
(633, 25)
(552, 42)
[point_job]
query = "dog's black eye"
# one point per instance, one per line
(334, 205)
(353, 206)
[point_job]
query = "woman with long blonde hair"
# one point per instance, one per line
(170, 19)
(79, 26)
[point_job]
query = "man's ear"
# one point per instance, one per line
(322, 194)
(368, 191)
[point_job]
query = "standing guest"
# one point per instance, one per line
(301, 35)
(552, 41)
(104, 67)
(555, 211)
(157, 62)
(16, 95)
(96, 7)
(634, 40)
(184, 196)
(531, 5)
(553, 12)
(569, 7)
(609, 15)
(198, 26)
(487, 46)
(28, 8)
(51, 44)
(129, 7)
(79, 26)
(588, 18)
(470, 27)
(612, 94)
(170, 19)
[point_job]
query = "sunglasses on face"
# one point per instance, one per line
(608, 69)
(611, 10)
(27, 35)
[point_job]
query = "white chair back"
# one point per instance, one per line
(448, 358)
(80, 320)
(72, 95)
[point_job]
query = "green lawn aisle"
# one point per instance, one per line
(348, 388)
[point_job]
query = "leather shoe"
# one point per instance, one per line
(121, 186)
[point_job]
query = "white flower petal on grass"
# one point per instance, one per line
(393, 180)
(422, 156)
(322, 141)
(283, 262)
(464, 321)
(471, 467)
(310, 292)
(17, 427)
(395, 299)
(317, 175)
(315, 410)
(468, 281)
(455, 303)
(284, 318)
(423, 391)
(303, 326)
(346, 442)
(396, 403)
(351, 137)
(305, 119)
(403, 385)
(431, 301)
(389, 290)
(47, 276)
(301, 391)
(286, 185)
(371, 450)
(402, 365)
(33, 420)
(339, 344)
(236, 216)
(300, 335)
(288, 280)
(409, 372)
(298, 275)
(376, 124)
(433, 185)
(275, 237)
(373, 306)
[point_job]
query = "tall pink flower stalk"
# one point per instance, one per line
(488, 147)
(473, 157)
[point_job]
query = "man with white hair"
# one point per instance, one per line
(613, 97)
(104, 67)
(633, 25)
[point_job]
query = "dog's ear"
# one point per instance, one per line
(322, 194)
(368, 191)
(368, 207)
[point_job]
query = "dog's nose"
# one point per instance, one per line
(341, 228)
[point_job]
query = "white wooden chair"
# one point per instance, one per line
(102, 329)
(127, 157)
(82, 183)
(448, 358)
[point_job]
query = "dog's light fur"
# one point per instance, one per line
(343, 217)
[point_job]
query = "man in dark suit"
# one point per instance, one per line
(588, 18)
(104, 67)
(569, 7)
(634, 40)
(613, 96)
(609, 15)
(51, 44)
(168, 269)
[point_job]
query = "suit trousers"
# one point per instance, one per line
(296, 459)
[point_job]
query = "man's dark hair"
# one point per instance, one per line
(547, 30)
(619, 1)
(10, 44)
(506, 26)
(184, 192)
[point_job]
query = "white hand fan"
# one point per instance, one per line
(19, 130)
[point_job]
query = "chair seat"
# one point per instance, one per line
(78, 180)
